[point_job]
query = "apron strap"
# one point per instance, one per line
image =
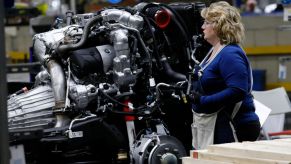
(235, 110)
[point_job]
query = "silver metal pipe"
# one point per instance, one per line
(55, 70)
(123, 17)
(39, 49)
(59, 88)
(58, 80)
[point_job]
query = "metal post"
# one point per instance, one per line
(73, 6)
(4, 150)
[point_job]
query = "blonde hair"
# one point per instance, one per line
(226, 21)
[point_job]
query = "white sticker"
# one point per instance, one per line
(77, 134)
(152, 82)
(282, 71)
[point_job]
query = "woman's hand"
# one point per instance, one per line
(194, 97)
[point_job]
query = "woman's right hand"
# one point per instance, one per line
(194, 97)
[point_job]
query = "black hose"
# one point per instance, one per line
(134, 44)
(112, 99)
(170, 72)
(148, 5)
(181, 26)
(156, 52)
(178, 20)
(175, 16)
(135, 41)
(127, 113)
(145, 50)
(133, 113)
(62, 49)
(134, 49)
(116, 101)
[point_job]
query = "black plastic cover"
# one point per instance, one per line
(86, 61)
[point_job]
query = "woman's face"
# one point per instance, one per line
(209, 34)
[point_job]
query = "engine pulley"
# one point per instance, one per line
(158, 149)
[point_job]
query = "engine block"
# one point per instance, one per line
(32, 109)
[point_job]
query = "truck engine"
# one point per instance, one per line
(108, 85)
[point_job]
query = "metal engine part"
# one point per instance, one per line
(99, 71)
(121, 64)
(32, 109)
(123, 17)
(156, 149)
(82, 94)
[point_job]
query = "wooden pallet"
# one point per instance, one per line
(260, 152)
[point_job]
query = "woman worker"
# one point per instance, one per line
(225, 81)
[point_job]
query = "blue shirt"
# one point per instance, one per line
(226, 81)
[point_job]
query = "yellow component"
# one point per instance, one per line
(17, 55)
(268, 50)
(21, 5)
(286, 85)
(184, 98)
(43, 8)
